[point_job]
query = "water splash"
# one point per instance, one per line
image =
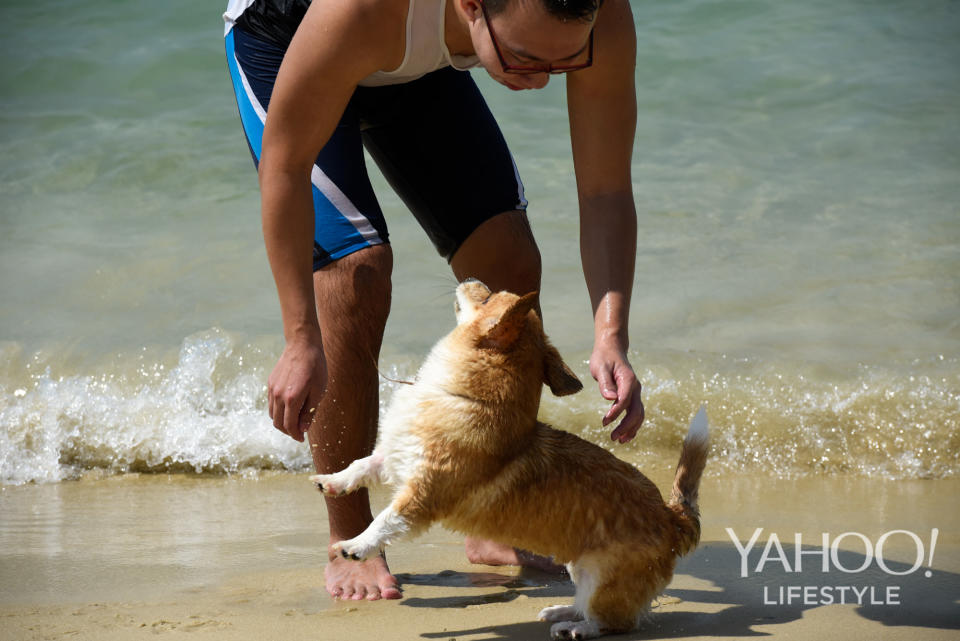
(792, 420)
(202, 408)
(205, 413)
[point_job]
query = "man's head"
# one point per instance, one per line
(519, 42)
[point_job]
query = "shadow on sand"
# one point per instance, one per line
(737, 604)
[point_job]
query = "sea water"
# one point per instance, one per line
(796, 171)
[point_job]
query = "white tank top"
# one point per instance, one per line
(426, 48)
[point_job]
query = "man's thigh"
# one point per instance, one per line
(442, 151)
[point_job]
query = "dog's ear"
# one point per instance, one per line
(508, 327)
(557, 375)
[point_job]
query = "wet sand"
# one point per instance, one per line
(236, 558)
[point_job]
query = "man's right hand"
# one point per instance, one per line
(296, 385)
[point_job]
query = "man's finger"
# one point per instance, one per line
(616, 409)
(277, 415)
(307, 414)
(291, 416)
(626, 386)
(631, 423)
(608, 388)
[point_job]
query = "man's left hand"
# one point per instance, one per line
(612, 371)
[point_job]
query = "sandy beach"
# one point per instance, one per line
(136, 556)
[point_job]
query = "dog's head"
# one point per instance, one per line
(504, 322)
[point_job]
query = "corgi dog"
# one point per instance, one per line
(462, 445)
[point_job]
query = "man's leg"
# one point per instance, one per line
(353, 301)
(502, 253)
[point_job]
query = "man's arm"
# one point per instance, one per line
(603, 115)
(336, 46)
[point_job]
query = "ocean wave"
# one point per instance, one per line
(799, 420)
(202, 409)
(205, 413)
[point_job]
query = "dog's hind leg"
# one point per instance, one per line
(573, 621)
(625, 584)
(361, 473)
(556, 613)
(575, 630)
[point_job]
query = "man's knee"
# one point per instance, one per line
(521, 272)
(353, 293)
(502, 253)
(526, 268)
(520, 253)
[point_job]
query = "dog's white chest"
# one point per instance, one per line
(400, 442)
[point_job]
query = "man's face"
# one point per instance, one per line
(527, 35)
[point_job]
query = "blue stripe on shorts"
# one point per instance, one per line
(340, 227)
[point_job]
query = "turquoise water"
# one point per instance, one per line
(797, 178)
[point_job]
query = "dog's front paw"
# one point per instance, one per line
(329, 484)
(574, 630)
(355, 549)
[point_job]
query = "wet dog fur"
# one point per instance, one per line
(463, 446)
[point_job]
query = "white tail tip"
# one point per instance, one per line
(698, 426)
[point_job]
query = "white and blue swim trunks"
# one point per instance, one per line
(433, 138)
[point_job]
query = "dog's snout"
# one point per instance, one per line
(473, 289)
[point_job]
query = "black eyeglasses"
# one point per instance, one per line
(545, 67)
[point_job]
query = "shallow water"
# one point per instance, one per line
(124, 538)
(796, 173)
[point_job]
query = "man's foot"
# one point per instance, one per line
(357, 580)
(483, 552)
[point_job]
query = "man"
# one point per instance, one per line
(386, 74)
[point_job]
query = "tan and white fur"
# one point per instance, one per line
(463, 446)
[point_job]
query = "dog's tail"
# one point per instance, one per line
(686, 484)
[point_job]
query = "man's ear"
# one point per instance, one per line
(471, 8)
(559, 378)
(511, 322)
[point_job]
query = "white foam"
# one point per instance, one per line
(202, 408)
(202, 415)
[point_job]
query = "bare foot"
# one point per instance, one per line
(483, 552)
(357, 580)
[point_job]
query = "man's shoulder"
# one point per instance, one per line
(376, 11)
(376, 19)
(363, 30)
